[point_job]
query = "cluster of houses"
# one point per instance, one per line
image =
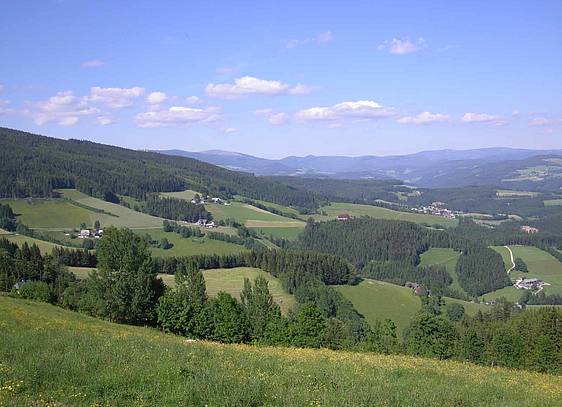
(200, 200)
(529, 229)
(437, 209)
(529, 283)
(206, 223)
(90, 233)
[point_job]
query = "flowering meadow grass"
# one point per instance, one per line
(53, 357)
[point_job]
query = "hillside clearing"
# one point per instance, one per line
(379, 300)
(49, 213)
(44, 247)
(48, 355)
(357, 210)
(188, 246)
(443, 257)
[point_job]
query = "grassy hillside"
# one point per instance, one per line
(189, 246)
(356, 210)
(378, 300)
(48, 213)
(541, 265)
(443, 257)
(49, 355)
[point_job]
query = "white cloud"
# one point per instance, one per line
(399, 46)
(94, 63)
(423, 118)
(249, 85)
(192, 100)
(155, 98)
(274, 118)
(361, 109)
(540, 121)
(515, 113)
(229, 130)
(104, 120)
(64, 108)
(176, 116)
(320, 38)
(68, 121)
(114, 97)
(483, 118)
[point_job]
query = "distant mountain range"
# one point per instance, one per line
(509, 167)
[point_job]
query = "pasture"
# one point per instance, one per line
(115, 215)
(379, 300)
(48, 355)
(187, 195)
(188, 246)
(357, 210)
(49, 213)
(553, 202)
(541, 265)
(289, 233)
(44, 246)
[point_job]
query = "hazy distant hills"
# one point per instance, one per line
(514, 168)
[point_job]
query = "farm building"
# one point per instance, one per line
(529, 283)
(529, 229)
(344, 216)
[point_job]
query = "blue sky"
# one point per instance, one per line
(285, 78)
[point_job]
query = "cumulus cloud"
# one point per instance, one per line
(402, 46)
(483, 118)
(64, 108)
(114, 97)
(176, 116)
(249, 85)
(361, 109)
(94, 63)
(423, 118)
(104, 120)
(274, 118)
(155, 98)
(321, 38)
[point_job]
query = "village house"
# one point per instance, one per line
(84, 234)
(344, 216)
(201, 222)
(418, 289)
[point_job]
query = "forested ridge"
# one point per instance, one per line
(34, 165)
(389, 250)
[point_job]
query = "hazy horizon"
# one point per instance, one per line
(272, 80)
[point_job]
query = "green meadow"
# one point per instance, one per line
(49, 213)
(379, 300)
(189, 246)
(541, 265)
(44, 247)
(333, 210)
(53, 357)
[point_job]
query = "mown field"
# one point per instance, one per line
(443, 257)
(333, 210)
(188, 194)
(378, 300)
(50, 356)
(553, 202)
(188, 246)
(49, 213)
(540, 264)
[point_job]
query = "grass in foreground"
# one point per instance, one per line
(541, 265)
(379, 300)
(50, 356)
(357, 210)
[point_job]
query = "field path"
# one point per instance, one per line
(512, 261)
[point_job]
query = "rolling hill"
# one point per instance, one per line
(49, 355)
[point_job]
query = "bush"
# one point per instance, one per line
(35, 290)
